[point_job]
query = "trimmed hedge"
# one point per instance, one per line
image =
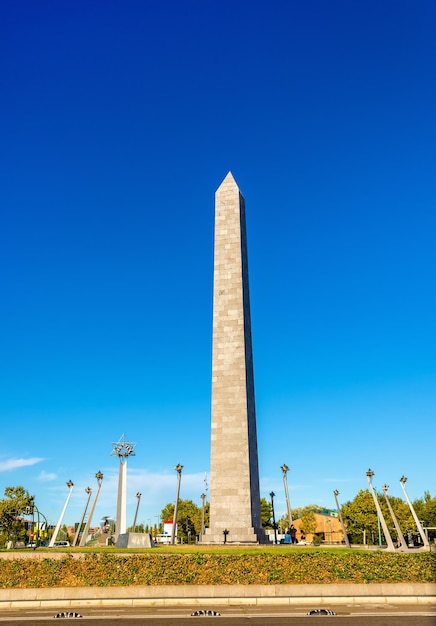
(99, 569)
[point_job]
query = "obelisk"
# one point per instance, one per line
(234, 474)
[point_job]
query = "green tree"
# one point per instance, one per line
(300, 511)
(15, 504)
(266, 513)
(361, 519)
(308, 522)
(425, 509)
(402, 513)
(188, 517)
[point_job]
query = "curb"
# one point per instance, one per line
(170, 596)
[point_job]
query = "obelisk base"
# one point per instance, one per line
(134, 540)
(235, 536)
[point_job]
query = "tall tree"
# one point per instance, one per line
(189, 517)
(308, 522)
(426, 511)
(266, 513)
(14, 505)
(361, 519)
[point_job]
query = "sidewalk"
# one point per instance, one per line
(219, 596)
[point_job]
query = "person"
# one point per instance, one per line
(293, 534)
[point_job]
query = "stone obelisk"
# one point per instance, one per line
(234, 473)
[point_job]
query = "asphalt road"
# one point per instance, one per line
(392, 616)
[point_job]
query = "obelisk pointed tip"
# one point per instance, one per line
(229, 180)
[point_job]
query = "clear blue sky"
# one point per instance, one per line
(118, 122)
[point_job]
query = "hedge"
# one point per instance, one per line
(99, 569)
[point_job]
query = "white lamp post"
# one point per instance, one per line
(70, 486)
(425, 542)
(285, 470)
(99, 477)
(347, 541)
(389, 542)
(88, 491)
(178, 469)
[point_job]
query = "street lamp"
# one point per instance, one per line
(272, 494)
(400, 535)
(32, 508)
(347, 541)
(285, 470)
(70, 486)
(138, 495)
(203, 500)
(88, 491)
(99, 477)
(390, 545)
(178, 469)
(424, 538)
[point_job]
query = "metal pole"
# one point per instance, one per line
(272, 494)
(203, 498)
(99, 477)
(390, 545)
(70, 486)
(347, 541)
(425, 542)
(400, 536)
(178, 469)
(285, 470)
(138, 495)
(88, 490)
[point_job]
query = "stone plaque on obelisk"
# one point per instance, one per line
(234, 473)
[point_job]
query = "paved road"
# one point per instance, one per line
(366, 620)
(392, 616)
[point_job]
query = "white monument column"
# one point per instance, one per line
(122, 449)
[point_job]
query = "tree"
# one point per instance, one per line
(308, 522)
(16, 503)
(266, 513)
(316, 508)
(189, 517)
(361, 519)
(425, 509)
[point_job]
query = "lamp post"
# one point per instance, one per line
(285, 470)
(203, 500)
(390, 545)
(99, 477)
(400, 535)
(70, 486)
(88, 491)
(138, 495)
(272, 494)
(178, 469)
(347, 541)
(425, 542)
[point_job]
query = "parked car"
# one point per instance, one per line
(61, 544)
(31, 544)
